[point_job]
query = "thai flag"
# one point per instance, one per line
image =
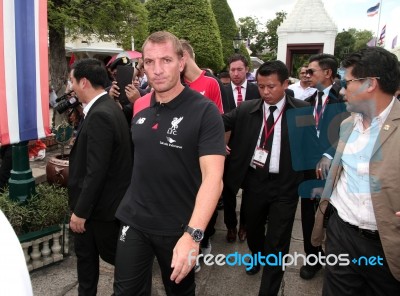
(373, 10)
(382, 36)
(24, 85)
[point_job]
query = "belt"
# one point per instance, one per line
(269, 176)
(370, 234)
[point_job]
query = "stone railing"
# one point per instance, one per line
(44, 247)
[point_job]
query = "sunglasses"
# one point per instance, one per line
(311, 71)
(343, 82)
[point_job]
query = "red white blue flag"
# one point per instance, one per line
(373, 10)
(381, 40)
(24, 85)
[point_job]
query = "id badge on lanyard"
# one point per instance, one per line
(260, 157)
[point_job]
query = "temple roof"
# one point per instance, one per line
(308, 15)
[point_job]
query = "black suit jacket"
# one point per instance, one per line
(100, 162)
(251, 93)
(245, 123)
(335, 112)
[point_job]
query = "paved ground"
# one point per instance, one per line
(61, 279)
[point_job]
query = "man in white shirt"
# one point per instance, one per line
(362, 185)
(302, 88)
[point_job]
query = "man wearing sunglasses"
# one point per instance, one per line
(329, 111)
(302, 89)
(362, 187)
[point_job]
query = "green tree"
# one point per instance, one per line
(192, 20)
(226, 25)
(107, 20)
(344, 44)
(350, 41)
(272, 26)
(250, 31)
(362, 37)
(249, 26)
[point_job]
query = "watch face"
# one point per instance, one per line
(197, 235)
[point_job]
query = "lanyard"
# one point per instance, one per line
(269, 132)
(320, 114)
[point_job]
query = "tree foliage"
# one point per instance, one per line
(227, 26)
(272, 26)
(250, 30)
(106, 20)
(351, 40)
(192, 20)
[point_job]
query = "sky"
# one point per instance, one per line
(345, 13)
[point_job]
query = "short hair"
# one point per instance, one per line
(302, 66)
(375, 62)
(325, 61)
(187, 47)
(91, 69)
(163, 37)
(224, 75)
(238, 57)
(274, 67)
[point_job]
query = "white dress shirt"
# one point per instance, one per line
(352, 196)
(276, 141)
(235, 92)
(300, 92)
(90, 104)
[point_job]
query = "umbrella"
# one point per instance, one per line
(131, 54)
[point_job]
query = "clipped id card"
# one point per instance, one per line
(260, 157)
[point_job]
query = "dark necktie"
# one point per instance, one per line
(240, 96)
(270, 124)
(268, 144)
(319, 105)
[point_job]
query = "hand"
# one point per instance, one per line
(114, 90)
(228, 150)
(132, 93)
(184, 257)
(316, 192)
(398, 214)
(77, 224)
(322, 168)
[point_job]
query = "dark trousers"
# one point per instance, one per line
(134, 261)
(229, 197)
(307, 222)
(354, 279)
(266, 198)
(99, 239)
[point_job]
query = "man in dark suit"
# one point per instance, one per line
(329, 111)
(262, 162)
(238, 90)
(99, 173)
(238, 67)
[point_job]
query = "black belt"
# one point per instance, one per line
(270, 176)
(370, 234)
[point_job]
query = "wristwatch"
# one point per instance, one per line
(195, 233)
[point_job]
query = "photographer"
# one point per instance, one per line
(69, 102)
(132, 93)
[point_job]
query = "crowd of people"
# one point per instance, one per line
(145, 182)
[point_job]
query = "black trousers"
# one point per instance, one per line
(229, 197)
(134, 261)
(307, 223)
(266, 198)
(99, 239)
(355, 279)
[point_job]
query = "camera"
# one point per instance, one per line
(66, 102)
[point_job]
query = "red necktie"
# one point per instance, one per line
(239, 97)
